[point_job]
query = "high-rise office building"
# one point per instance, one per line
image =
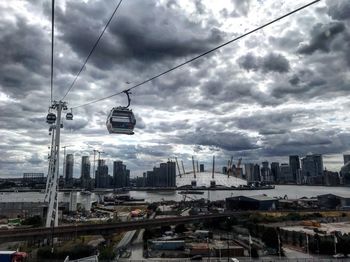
(69, 169)
(102, 179)
(121, 175)
(312, 165)
(286, 174)
(249, 170)
(346, 158)
(256, 173)
(275, 171)
(162, 176)
(201, 168)
(85, 177)
(294, 164)
(171, 174)
(265, 172)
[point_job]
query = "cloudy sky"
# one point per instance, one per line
(283, 90)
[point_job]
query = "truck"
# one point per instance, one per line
(12, 256)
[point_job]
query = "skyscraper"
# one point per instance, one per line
(249, 170)
(346, 158)
(85, 172)
(163, 179)
(69, 169)
(171, 174)
(265, 172)
(162, 176)
(275, 171)
(312, 165)
(121, 175)
(286, 174)
(256, 173)
(294, 164)
(101, 176)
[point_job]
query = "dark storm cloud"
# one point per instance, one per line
(248, 62)
(230, 141)
(134, 35)
(23, 57)
(303, 142)
(275, 63)
(322, 37)
(272, 62)
(339, 10)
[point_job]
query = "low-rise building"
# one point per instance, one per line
(334, 201)
(260, 202)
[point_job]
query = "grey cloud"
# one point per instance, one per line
(301, 143)
(275, 63)
(322, 37)
(230, 141)
(142, 37)
(249, 62)
(272, 62)
(76, 124)
(339, 10)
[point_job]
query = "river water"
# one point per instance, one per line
(292, 191)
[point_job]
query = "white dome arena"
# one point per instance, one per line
(205, 178)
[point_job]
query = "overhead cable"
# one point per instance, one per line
(92, 50)
(52, 45)
(201, 55)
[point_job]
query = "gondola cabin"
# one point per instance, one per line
(121, 120)
(69, 116)
(51, 118)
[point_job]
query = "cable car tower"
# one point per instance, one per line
(51, 192)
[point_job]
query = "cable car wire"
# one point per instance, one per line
(201, 55)
(92, 50)
(52, 44)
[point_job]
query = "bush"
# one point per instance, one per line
(35, 221)
(106, 253)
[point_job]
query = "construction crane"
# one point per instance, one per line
(99, 155)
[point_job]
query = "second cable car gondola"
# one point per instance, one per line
(121, 120)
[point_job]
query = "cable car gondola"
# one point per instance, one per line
(69, 116)
(121, 120)
(51, 118)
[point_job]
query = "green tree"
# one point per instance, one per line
(270, 237)
(35, 221)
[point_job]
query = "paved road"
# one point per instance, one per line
(125, 241)
(292, 253)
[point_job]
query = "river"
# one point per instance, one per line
(292, 191)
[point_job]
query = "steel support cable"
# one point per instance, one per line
(92, 50)
(201, 55)
(52, 45)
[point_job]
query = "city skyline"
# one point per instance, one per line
(281, 91)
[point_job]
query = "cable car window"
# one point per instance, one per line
(121, 119)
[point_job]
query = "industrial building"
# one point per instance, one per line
(260, 202)
(334, 201)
